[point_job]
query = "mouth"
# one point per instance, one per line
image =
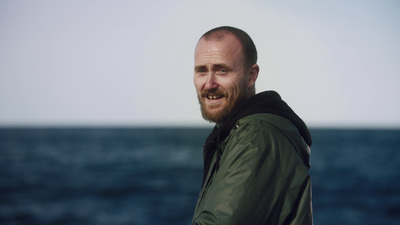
(214, 96)
(213, 100)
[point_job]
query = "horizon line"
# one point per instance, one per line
(176, 125)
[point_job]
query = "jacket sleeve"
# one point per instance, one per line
(261, 180)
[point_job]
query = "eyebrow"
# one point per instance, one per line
(214, 66)
(222, 65)
(198, 68)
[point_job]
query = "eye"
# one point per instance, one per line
(222, 71)
(201, 70)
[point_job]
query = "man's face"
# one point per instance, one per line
(220, 77)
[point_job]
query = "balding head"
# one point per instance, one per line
(248, 47)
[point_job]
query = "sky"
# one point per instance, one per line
(130, 63)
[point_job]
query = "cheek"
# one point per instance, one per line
(236, 87)
(197, 84)
(195, 81)
(243, 84)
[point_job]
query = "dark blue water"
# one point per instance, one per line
(153, 175)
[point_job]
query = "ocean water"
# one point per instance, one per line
(141, 176)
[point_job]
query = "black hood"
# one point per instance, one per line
(265, 102)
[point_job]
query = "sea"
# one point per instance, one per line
(143, 176)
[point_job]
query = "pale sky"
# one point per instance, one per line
(130, 63)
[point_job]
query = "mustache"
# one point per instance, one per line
(214, 91)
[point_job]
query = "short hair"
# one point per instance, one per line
(249, 49)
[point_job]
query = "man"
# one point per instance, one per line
(256, 159)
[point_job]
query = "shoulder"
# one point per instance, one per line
(263, 125)
(266, 119)
(257, 131)
(267, 133)
(261, 132)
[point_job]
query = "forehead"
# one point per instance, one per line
(228, 48)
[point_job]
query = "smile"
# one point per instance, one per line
(214, 97)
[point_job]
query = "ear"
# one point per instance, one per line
(254, 70)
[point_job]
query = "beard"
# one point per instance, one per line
(221, 112)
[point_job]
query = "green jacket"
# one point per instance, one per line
(261, 178)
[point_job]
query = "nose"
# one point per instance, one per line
(210, 82)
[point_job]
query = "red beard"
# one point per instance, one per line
(218, 113)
